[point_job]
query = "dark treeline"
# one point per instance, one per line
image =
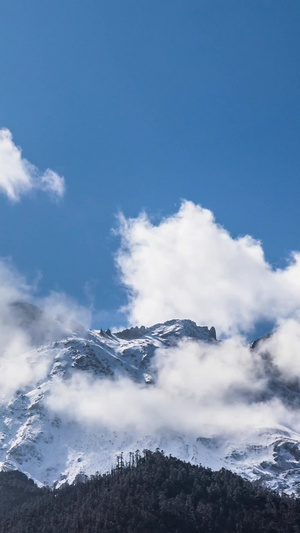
(151, 494)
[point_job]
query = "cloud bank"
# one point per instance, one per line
(200, 389)
(19, 177)
(188, 266)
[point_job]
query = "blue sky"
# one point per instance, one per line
(140, 105)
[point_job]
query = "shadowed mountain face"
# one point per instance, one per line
(37, 324)
(25, 314)
(69, 421)
(33, 322)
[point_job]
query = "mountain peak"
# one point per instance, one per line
(182, 328)
(47, 442)
(174, 328)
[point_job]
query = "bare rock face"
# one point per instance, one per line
(212, 333)
(132, 333)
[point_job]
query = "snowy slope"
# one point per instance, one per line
(53, 449)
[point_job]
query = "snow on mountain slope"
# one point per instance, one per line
(54, 449)
(48, 449)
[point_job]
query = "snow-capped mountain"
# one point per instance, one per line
(53, 449)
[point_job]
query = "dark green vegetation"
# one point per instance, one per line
(152, 494)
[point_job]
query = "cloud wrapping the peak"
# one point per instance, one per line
(13, 286)
(188, 266)
(18, 176)
(24, 328)
(199, 389)
(284, 346)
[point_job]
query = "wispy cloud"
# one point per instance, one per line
(18, 176)
(24, 327)
(188, 266)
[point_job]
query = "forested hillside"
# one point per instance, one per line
(152, 494)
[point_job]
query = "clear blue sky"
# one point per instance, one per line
(139, 104)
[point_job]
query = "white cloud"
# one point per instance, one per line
(188, 266)
(24, 327)
(16, 367)
(53, 183)
(200, 389)
(18, 176)
(66, 309)
(13, 286)
(284, 348)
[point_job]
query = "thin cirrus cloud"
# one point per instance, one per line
(18, 176)
(188, 266)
